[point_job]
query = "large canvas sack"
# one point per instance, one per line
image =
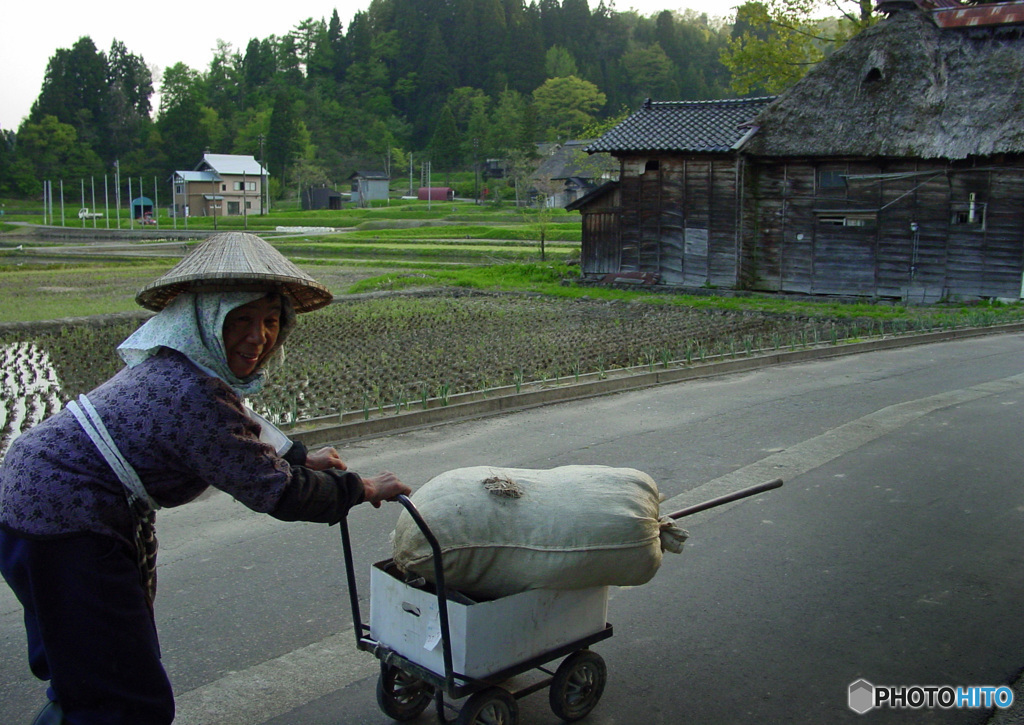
(507, 530)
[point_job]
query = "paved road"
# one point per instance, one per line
(893, 553)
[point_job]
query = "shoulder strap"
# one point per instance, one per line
(90, 420)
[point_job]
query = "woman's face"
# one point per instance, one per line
(250, 333)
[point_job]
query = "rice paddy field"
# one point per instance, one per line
(380, 353)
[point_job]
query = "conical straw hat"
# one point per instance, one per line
(235, 261)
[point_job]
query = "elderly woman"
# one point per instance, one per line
(78, 491)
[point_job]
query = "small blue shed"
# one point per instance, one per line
(141, 206)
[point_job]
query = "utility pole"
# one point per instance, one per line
(476, 171)
(264, 191)
(117, 185)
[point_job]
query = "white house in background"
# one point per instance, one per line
(222, 185)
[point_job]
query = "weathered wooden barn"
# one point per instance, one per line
(673, 214)
(894, 169)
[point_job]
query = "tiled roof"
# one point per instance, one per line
(692, 126)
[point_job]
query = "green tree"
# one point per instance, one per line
(776, 42)
(429, 84)
(130, 77)
(75, 91)
(180, 120)
(523, 51)
(259, 64)
(17, 178)
(130, 88)
(559, 63)
(445, 145)
(53, 150)
(285, 134)
(183, 133)
(289, 65)
(504, 128)
(651, 73)
(566, 105)
(254, 123)
(223, 88)
(180, 83)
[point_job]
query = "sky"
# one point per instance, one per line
(185, 31)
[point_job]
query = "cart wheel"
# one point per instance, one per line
(400, 695)
(577, 685)
(492, 706)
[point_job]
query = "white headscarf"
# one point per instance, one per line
(193, 324)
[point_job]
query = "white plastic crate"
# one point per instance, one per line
(486, 637)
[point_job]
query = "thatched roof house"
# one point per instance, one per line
(905, 88)
(895, 168)
(567, 172)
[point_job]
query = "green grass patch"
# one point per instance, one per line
(55, 291)
(522, 231)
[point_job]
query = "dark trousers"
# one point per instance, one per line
(90, 631)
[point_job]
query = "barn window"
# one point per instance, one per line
(847, 220)
(651, 165)
(831, 179)
(969, 213)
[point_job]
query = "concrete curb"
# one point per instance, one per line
(355, 425)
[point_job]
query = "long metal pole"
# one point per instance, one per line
(131, 206)
(92, 181)
(83, 202)
(156, 203)
(106, 201)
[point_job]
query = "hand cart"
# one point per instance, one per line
(411, 678)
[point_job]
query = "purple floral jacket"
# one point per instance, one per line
(181, 429)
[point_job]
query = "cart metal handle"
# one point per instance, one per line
(439, 585)
(728, 498)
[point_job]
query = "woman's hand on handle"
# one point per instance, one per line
(383, 487)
